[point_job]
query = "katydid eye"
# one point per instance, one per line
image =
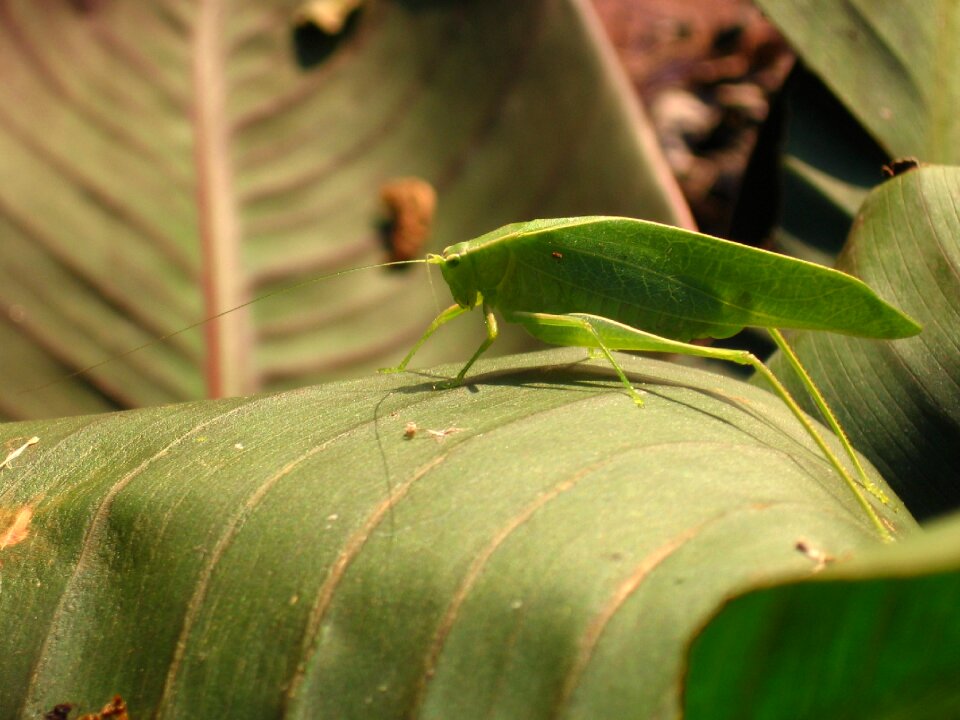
(453, 260)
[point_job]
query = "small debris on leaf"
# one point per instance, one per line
(820, 558)
(412, 430)
(116, 709)
(59, 712)
(14, 454)
(439, 435)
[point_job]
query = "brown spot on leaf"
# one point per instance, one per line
(900, 166)
(59, 712)
(329, 16)
(18, 529)
(320, 27)
(116, 709)
(85, 7)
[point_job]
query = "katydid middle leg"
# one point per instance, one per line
(492, 331)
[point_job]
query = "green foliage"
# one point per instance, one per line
(890, 62)
(873, 636)
(530, 545)
(537, 547)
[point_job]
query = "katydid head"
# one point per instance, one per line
(457, 275)
(471, 271)
(456, 268)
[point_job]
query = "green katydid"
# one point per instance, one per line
(607, 283)
(593, 282)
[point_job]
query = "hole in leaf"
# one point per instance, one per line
(316, 37)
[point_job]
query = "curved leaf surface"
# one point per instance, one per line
(532, 545)
(875, 636)
(166, 161)
(900, 401)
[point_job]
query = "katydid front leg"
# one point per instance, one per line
(446, 316)
(593, 331)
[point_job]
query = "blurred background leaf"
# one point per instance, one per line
(874, 82)
(166, 161)
(875, 87)
(892, 64)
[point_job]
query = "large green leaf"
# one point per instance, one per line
(547, 552)
(900, 401)
(163, 161)
(892, 63)
(889, 66)
(875, 636)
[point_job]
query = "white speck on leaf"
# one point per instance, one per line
(14, 454)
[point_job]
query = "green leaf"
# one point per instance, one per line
(163, 162)
(892, 63)
(889, 66)
(548, 550)
(875, 636)
(899, 401)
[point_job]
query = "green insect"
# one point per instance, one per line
(594, 282)
(607, 283)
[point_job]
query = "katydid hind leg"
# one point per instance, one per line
(634, 393)
(820, 401)
(570, 330)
